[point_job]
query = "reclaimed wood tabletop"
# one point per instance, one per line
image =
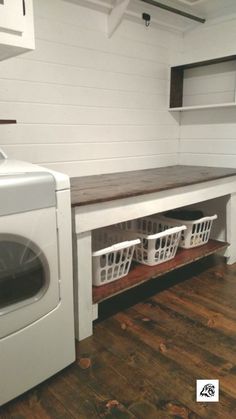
(107, 187)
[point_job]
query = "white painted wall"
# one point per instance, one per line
(209, 85)
(208, 136)
(86, 104)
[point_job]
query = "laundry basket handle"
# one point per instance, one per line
(203, 219)
(163, 233)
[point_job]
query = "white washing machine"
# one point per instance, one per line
(36, 290)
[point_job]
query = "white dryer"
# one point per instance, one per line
(36, 290)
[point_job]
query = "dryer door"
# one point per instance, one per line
(29, 278)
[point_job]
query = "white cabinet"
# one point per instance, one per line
(16, 27)
(12, 15)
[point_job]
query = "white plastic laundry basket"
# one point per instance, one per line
(113, 255)
(197, 232)
(157, 244)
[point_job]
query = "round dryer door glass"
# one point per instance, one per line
(23, 274)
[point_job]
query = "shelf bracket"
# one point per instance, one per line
(116, 15)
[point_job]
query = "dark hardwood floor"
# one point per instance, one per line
(149, 347)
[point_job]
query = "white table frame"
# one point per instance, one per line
(89, 217)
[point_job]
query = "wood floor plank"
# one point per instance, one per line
(74, 396)
(206, 300)
(148, 348)
(126, 383)
(90, 392)
(219, 290)
(201, 363)
(201, 313)
(144, 390)
(195, 332)
(152, 364)
(164, 369)
(36, 404)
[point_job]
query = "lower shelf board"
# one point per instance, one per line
(142, 273)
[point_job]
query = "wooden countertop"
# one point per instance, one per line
(100, 188)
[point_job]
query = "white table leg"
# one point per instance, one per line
(231, 228)
(84, 312)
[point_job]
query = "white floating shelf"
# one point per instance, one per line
(192, 108)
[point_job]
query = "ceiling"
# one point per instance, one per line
(211, 10)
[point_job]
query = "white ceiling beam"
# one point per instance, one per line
(116, 15)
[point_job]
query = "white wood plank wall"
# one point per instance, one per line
(211, 84)
(86, 104)
(208, 136)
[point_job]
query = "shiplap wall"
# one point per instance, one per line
(208, 136)
(86, 104)
(213, 84)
